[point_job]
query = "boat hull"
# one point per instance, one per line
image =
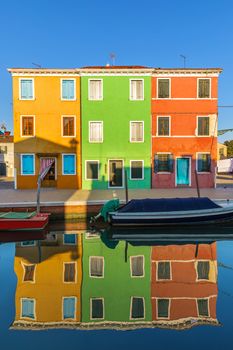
(37, 222)
(154, 219)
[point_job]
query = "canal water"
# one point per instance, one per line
(89, 290)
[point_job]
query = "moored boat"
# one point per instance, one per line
(15, 221)
(171, 211)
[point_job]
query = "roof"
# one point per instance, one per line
(115, 67)
(6, 139)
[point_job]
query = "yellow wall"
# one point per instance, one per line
(222, 151)
(48, 109)
(48, 288)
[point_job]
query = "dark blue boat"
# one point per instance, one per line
(172, 211)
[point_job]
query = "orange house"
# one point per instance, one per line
(184, 127)
(46, 113)
(184, 284)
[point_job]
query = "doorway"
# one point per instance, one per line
(183, 171)
(116, 168)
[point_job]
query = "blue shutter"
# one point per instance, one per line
(199, 163)
(156, 163)
(69, 164)
(27, 165)
(69, 239)
(69, 307)
(170, 163)
(28, 308)
(26, 89)
(209, 162)
(68, 89)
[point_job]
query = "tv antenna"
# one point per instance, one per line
(113, 58)
(184, 58)
(36, 65)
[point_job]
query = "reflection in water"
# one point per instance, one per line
(87, 281)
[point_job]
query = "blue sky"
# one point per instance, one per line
(74, 33)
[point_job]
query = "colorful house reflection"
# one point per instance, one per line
(184, 285)
(49, 281)
(88, 281)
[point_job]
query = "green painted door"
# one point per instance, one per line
(115, 173)
(182, 171)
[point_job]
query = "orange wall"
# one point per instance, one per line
(184, 288)
(183, 108)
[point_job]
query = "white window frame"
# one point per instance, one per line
(75, 307)
(91, 160)
(169, 309)
(202, 172)
(62, 129)
(67, 234)
(130, 90)
(33, 90)
(75, 163)
(21, 125)
(98, 257)
(202, 116)
(202, 279)
(208, 304)
(164, 172)
(204, 98)
(89, 129)
(157, 87)
(131, 269)
(97, 298)
(102, 89)
(21, 163)
(130, 131)
(157, 126)
(21, 309)
(136, 160)
(24, 270)
(70, 99)
(131, 308)
(75, 277)
(157, 270)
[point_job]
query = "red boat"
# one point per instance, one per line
(13, 221)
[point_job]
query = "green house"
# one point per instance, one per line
(116, 127)
(116, 288)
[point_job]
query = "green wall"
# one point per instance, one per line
(116, 110)
(117, 286)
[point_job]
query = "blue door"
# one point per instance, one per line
(182, 171)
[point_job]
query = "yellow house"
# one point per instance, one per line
(222, 151)
(48, 292)
(46, 112)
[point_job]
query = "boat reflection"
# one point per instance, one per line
(95, 281)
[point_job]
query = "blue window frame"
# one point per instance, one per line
(27, 164)
(26, 89)
(69, 307)
(69, 164)
(69, 239)
(28, 308)
(68, 89)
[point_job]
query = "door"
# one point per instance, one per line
(50, 180)
(2, 169)
(115, 173)
(182, 171)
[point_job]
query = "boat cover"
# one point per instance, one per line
(17, 215)
(167, 204)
